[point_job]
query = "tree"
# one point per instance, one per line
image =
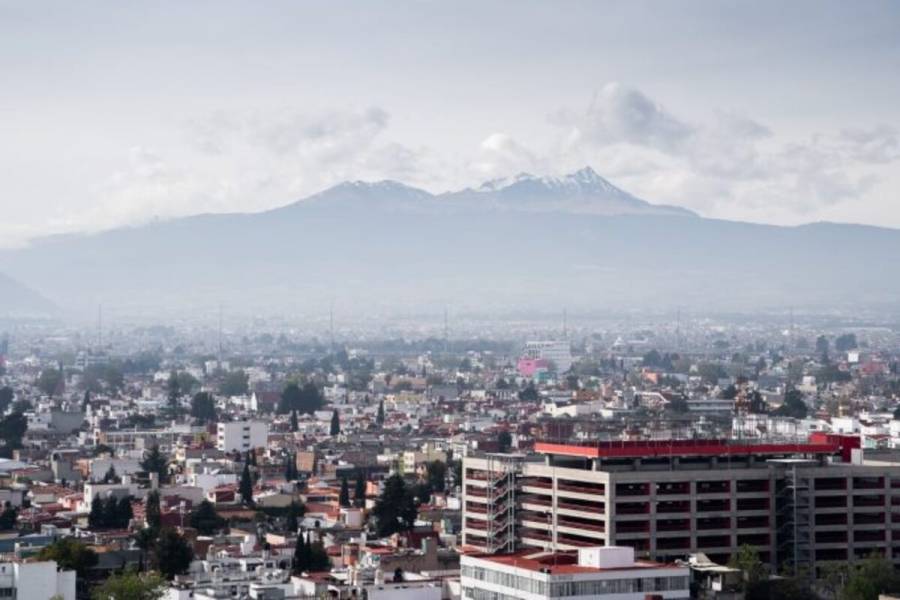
(290, 468)
(294, 425)
(436, 475)
(173, 387)
(86, 401)
(111, 476)
(290, 398)
(8, 518)
(872, 577)
(793, 405)
(203, 408)
(7, 395)
(124, 513)
(529, 394)
(504, 441)
(12, 429)
(379, 418)
(294, 511)
(845, 342)
(335, 423)
(97, 516)
(395, 510)
(344, 498)
(205, 519)
(70, 555)
(155, 462)
(172, 555)
(747, 560)
(309, 556)
(246, 486)
(679, 405)
(301, 555)
(49, 381)
(822, 345)
(152, 510)
(235, 383)
(359, 492)
(131, 585)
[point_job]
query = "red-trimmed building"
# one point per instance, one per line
(798, 502)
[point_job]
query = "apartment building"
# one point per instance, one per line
(593, 572)
(242, 436)
(797, 502)
(36, 581)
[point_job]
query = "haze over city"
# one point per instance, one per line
(449, 301)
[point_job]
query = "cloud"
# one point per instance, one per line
(620, 114)
(500, 155)
(725, 165)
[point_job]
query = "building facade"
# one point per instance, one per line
(241, 436)
(798, 504)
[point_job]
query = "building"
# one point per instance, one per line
(36, 581)
(555, 352)
(241, 436)
(589, 572)
(798, 503)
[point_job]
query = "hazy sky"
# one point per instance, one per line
(119, 112)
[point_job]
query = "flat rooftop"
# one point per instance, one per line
(561, 563)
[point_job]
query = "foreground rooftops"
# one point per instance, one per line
(592, 560)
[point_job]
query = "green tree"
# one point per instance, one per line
(290, 468)
(873, 576)
(359, 491)
(173, 389)
(290, 398)
(294, 512)
(12, 429)
(205, 519)
(97, 516)
(245, 489)
(152, 511)
(49, 381)
(747, 560)
(395, 510)
(70, 555)
(131, 586)
(344, 498)
(793, 405)
(504, 441)
(155, 462)
(172, 555)
(379, 418)
(235, 383)
(8, 518)
(335, 423)
(529, 394)
(294, 425)
(822, 345)
(7, 395)
(124, 513)
(436, 475)
(845, 342)
(203, 408)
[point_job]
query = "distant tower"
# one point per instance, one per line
(99, 327)
(565, 324)
(331, 325)
(220, 333)
(446, 332)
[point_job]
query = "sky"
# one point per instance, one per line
(119, 113)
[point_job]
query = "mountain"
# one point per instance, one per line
(524, 243)
(582, 192)
(18, 300)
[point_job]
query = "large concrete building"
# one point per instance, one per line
(797, 503)
(36, 581)
(242, 436)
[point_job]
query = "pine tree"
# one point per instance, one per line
(359, 492)
(395, 509)
(294, 425)
(301, 554)
(335, 423)
(344, 498)
(246, 486)
(153, 514)
(124, 512)
(379, 420)
(174, 390)
(86, 401)
(292, 513)
(96, 518)
(290, 468)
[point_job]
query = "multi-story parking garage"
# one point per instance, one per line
(797, 502)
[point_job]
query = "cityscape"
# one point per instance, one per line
(331, 302)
